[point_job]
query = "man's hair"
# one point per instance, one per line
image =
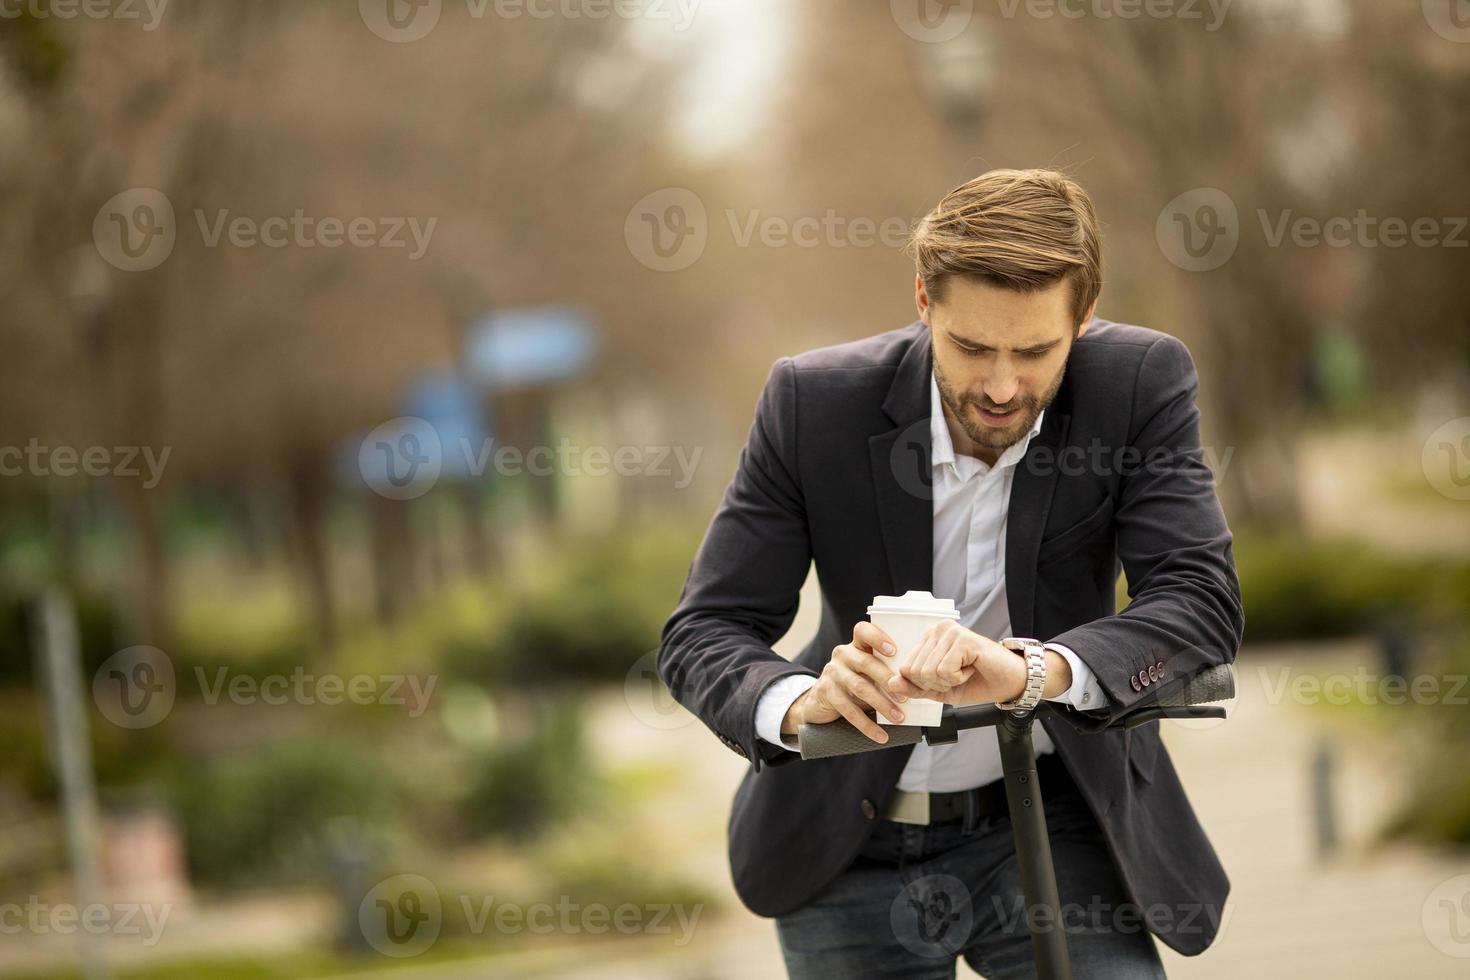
(1020, 229)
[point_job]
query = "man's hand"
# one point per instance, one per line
(959, 666)
(855, 680)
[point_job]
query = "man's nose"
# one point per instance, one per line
(1001, 390)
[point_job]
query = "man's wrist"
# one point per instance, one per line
(791, 719)
(1058, 675)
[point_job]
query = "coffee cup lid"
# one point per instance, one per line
(914, 601)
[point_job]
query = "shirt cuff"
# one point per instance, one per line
(774, 702)
(1085, 694)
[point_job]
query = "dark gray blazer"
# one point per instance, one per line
(836, 470)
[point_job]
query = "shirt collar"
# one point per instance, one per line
(942, 446)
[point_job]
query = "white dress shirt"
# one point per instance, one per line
(970, 505)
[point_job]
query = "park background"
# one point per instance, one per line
(277, 654)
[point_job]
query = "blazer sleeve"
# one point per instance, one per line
(1185, 611)
(744, 584)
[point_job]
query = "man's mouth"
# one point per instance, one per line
(998, 419)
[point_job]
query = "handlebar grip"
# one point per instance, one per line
(1215, 683)
(841, 738)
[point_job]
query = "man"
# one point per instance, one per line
(1012, 452)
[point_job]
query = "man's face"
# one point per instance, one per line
(999, 355)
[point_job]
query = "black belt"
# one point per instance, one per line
(988, 800)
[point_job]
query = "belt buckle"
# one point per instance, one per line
(906, 807)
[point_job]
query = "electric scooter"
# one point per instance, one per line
(1193, 699)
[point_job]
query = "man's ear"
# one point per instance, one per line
(1086, 318)
(921, 299)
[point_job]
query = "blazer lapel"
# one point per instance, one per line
(1032, 486)
(902, 479)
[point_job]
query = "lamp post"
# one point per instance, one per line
(959, 75)
(88, 287)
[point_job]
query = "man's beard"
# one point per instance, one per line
(990, 437)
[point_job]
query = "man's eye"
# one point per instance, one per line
(1033, 354)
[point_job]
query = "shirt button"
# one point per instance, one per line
(869, 810)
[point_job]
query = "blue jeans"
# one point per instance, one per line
(917, 897)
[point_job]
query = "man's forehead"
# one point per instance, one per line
(1002, 334)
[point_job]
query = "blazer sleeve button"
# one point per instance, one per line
(869, 810)
(1134, 681)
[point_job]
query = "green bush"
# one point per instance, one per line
(264, 818)
(1437, 809)
(1302, 588)
(520, 789)
(597, 606)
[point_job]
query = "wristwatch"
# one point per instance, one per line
(1035, 655)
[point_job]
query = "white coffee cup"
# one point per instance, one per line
(905, 618)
